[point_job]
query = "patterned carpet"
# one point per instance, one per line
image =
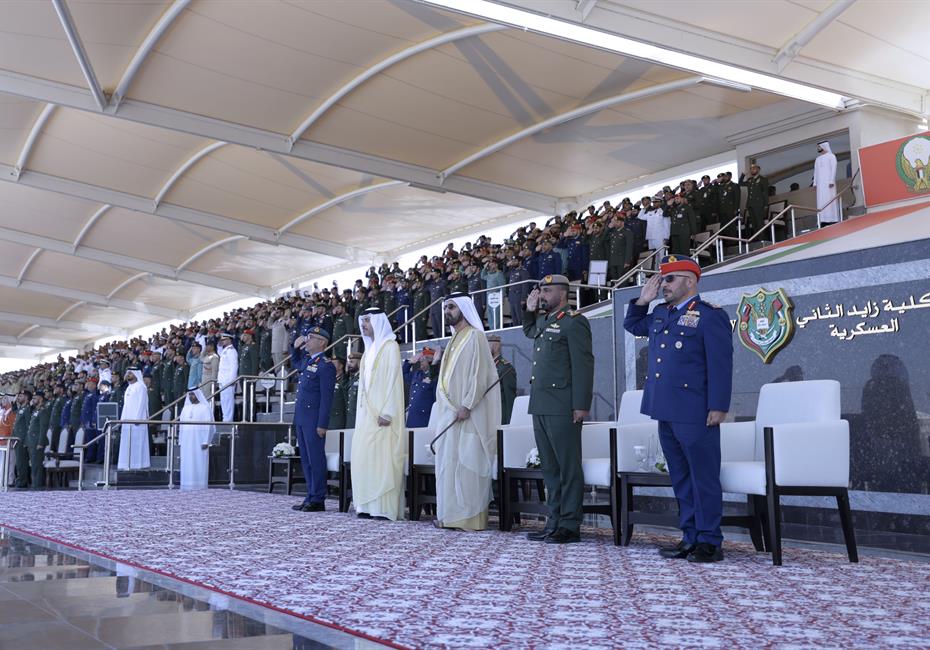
(411, 585)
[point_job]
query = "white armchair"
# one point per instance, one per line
(514, 443)
(421, 467)
(520, 415)
(338, 449)
(798, 445)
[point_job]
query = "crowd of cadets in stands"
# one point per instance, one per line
(265, 332)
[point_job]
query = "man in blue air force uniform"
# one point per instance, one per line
(688, 384)
(311, 413)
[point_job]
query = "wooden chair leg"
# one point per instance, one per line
(626, 504)
(755, 524)
(849, 534)
(773, 512)
(503, 514)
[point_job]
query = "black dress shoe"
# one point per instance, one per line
(299, 506)
(539, 536)
(704, 552)
(314, 507)
(563, 536)
(680, 551)
(363, 515)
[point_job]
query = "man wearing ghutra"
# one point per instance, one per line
(378, 442)
(825, 182)
(134, 438)
(195, 440)
(469, 414)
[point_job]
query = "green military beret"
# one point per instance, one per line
(554, 281)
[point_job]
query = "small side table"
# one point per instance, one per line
(629, 517)
(292, 472)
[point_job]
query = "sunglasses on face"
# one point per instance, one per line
(668, 279)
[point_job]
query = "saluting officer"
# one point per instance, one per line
(508, 378)
(337, 410)
(311, 413)
(420, 376)
(688, 384)
(352, 389)
(757, 199)
(683, 227)
(561, 390)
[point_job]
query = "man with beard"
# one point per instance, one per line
(562, 387)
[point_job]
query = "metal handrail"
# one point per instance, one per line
(108, 431)
(640, 266)
(11, 442)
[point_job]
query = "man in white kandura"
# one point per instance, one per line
(379, 443)
(195, 440)
(226, 374)
(825, 182)
(134, 438)
(465, 452)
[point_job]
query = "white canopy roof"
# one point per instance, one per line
(176, 155)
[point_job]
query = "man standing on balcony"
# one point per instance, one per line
(688, 384)
(757, 199)
(825, 182)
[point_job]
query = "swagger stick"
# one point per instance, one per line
(440, 434)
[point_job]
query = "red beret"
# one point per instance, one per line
(674, 263)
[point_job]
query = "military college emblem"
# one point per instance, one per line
(765, 322)
(913, 163)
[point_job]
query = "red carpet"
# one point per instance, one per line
(409, 584)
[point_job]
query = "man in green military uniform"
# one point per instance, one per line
(37, 438)
(248, 354)
(561, 390)
(58, 403)
(265, 359)
(421, 301)
(705, 203)
(727, 202)
(337, 411)
(757, 200)
(352, 388)
(508, 378)
(77, 403)
(179, 382)
(342, 325)
(20, 431)
(619, 249)
(682, 228)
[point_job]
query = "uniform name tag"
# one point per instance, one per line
(427, 380)
(311, 368)
(688, 321)
(554, 330)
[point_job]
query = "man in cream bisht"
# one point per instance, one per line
(378, 443)
(195, 440)
(465, 452)
(134, 438)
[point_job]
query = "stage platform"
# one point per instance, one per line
(407, 584)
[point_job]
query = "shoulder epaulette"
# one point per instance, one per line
(710, 304)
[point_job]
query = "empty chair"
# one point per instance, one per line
(421, 467)
(520, 415)
(798, 445)
(514, 443)
(338, 447)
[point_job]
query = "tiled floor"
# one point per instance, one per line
(53, 599)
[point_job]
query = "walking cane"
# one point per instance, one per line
(440, 434)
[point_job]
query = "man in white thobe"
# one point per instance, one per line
(195, 440)
(134, 438)
(472, 413)
(226, 376)
(825, 182)
(378, 442)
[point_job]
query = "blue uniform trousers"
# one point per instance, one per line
(312, 460)
(692, 451)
